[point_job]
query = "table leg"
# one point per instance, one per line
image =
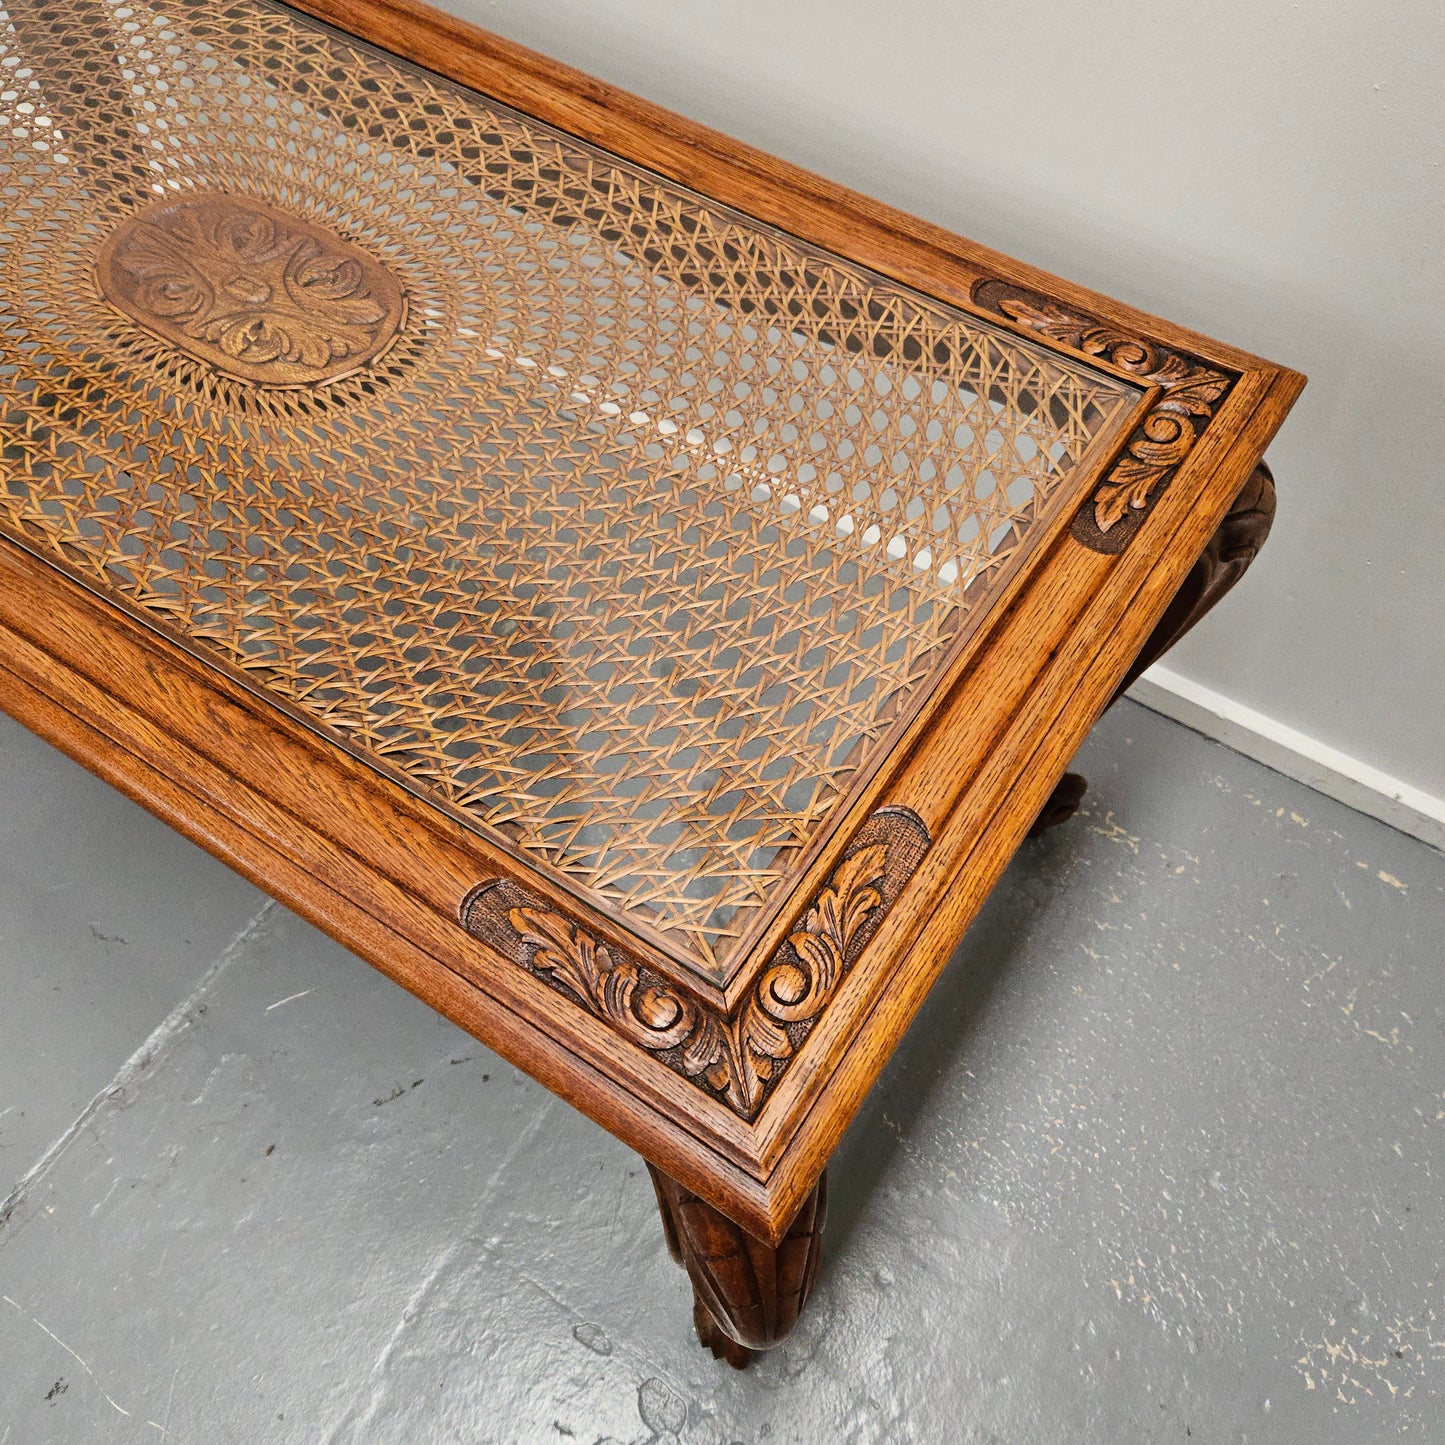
(747, 1295)
(1223, 562)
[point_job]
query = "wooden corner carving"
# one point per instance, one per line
(1159, 444)
(736, 1057)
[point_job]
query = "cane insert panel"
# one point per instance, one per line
(620, 526)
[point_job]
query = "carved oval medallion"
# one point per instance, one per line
(253, 292)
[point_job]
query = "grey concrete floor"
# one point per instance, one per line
(1159, 1160)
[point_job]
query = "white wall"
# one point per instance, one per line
(1268, 171)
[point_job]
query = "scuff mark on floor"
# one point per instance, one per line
(1109, 827)
(109, 1399)
(290, 998)
(117, 1092)
(1369, 1361)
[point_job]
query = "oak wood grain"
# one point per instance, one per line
(353, 849)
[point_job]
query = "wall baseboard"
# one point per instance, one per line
(1293, 753)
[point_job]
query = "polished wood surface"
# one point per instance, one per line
(736, 1082)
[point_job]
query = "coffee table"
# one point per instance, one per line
(635, 593)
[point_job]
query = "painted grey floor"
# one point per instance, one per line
(1160, 1161)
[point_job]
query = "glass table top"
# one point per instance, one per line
(622, 527)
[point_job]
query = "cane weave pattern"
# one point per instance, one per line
(630, 545)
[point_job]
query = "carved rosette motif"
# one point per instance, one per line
(738, 1056)
(259, 295)
(1160, 443)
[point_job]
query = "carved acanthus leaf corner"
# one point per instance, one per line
(1159, 444)
(737, 1056)
(741, 1055)
(618, 989)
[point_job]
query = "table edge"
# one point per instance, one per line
(756, 1169)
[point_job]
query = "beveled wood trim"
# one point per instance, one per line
(675, 1132)
(739, 1056)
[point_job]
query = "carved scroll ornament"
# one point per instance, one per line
(1159, 444)
(739, 1056)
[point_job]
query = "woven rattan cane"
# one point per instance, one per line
(601, 575)
(612, 520)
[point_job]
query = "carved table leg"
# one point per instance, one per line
(1223, 562)
(747, 1295)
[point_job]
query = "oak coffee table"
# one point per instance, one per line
(633, 592)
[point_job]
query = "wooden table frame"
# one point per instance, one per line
(1173, 520)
